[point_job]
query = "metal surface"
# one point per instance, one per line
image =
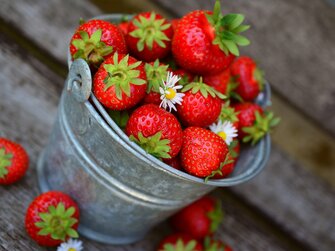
(121, 190)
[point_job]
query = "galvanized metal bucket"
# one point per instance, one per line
(121, 190)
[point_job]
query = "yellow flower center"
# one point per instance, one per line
(170, 93)
(72, 249)
(223, 135)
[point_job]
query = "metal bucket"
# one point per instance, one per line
(121, 190)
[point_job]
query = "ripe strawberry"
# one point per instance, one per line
(149, 36)
(254, 124)
(155, 72)
(222, 82)
(52, 218)
(157, 131)
(203, 152)
(201, 105)
(227, 169)
(205, 42)
(215, 245)
(179, 242)
(14, 162)
(174, 162)
(174, 23)
(123, 25)
(95, 41)
(249, 78)
(200, 219)
(185, 76)
(120, 82)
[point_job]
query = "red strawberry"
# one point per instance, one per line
(174, 162)
(95, 41)
(156, 72)
(149, 36)
(120, 82)
(179, 242)
(203, 152)
(199, 219)
(155, 130)
(185, 76)
(205, 42)
(221, 82)
(216, 245)
(227, 169)
(249, 78)
(254, 124)
(52, 218)
(201, 105)
(14, 162)
(174, 23)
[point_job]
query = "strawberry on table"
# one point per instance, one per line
(254, 124)
(201, 105)
(96, 40)
(149, 36)
(157, 131)
(14, 162)
(52, 218)
(249, 78)
(200, 219)
(180, 242)
(203, 152)
(206, 42)
(156, 72)
(120, 82)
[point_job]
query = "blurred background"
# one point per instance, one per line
(290, 205)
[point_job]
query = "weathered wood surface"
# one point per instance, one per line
(283, 202)
(32, 108)
(294, 43)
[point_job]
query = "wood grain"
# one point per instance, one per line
(31, 107)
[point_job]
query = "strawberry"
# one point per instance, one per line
(203, 152)
(120, 82)
(157, 131)
(155, 72)
(149, 36)
(200, 219)
(249, 78)
(14, 162)
(174, 162)
(179, 242)
(123, 25)
(206, 42)
(52, 218)
(174, 23)
(215, 245)
(254, 124)
(96, 40)
(222, 82)
(186, 77)
(201, 105)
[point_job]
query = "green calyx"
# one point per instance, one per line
(58, 223)
(180, 246)
(155, 74)
(231, 148)
(262, 125)
(91, 49)
(258, 75)
(5, 162)
(226, 161)
(216, 216)
(153, 145)
(203, 88)
(150, 30)
(212, 245)
(227, 30)
(228, 113)
(121, 75)
(120, 117)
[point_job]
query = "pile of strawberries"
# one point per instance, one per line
(177, 88)
(194, 227)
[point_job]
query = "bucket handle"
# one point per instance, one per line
(79, 80)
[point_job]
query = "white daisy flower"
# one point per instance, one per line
(169, 92)
(225, 130)
(71, 245)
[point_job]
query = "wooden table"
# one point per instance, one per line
(289, 206)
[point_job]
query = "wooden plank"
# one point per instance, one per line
(294, 45)
(29, 98)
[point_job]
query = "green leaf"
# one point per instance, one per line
(72, 233)
(84, 36)
(233, 49)
(78, 43)
(96, 36)
(241, 28)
